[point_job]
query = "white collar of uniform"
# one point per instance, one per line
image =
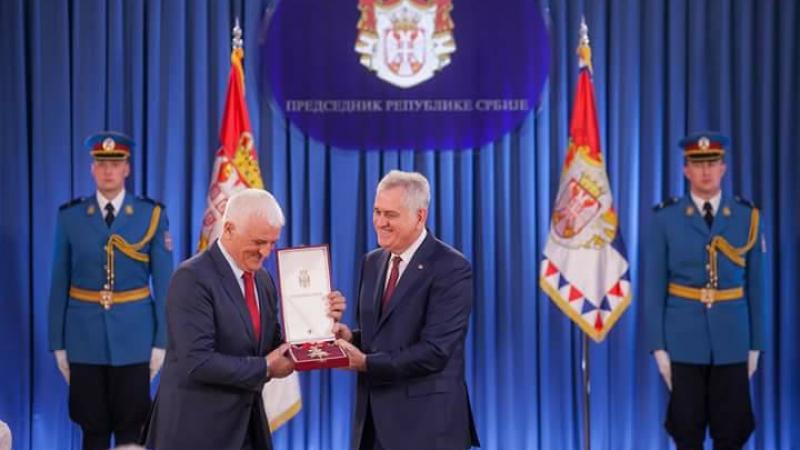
(116, 201)
(237, 272)
(699, 202)
(409, 252)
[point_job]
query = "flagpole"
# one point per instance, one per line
(586, 391)
(585, 60)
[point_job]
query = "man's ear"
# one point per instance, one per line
(228, 228)
(422, 216)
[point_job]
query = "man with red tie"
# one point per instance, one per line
(415, 297)
(223, 337)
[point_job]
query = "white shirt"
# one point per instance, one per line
(405, 256)
(238, 273)
(699, 202)
(116, 202)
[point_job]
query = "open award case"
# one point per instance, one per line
(304, 279)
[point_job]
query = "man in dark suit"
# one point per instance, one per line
(414, 301)
(223, 337)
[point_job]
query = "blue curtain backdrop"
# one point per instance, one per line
(157, 69)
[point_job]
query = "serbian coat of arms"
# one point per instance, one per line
(583, 215)
(405, 41)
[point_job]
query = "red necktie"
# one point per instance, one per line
(250, 299)
(387, 294)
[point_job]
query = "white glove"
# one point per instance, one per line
(5, 436)
(62, 363)
(664, 367)
(752, 362)
(156, 361)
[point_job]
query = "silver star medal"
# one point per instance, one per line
(317, 352)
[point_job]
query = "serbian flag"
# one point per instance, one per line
(584, 270)
(236, 168)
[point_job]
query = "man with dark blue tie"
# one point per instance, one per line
(704, 298)
(414, 300)
(112, 263)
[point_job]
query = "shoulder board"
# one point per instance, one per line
(744, 201)
(150, 200)
(668, 202)
(72, 202)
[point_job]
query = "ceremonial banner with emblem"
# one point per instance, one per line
(585, 268)
(236, 168)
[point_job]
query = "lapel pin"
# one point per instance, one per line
(420, 267)
(689, 210)
(129, 210)
(726, 211)
(90, 210)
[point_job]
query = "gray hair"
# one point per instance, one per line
(418, 191)
(253, 202)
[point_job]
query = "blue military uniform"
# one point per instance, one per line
(684, 258)
(704, 301)
(111, 270)
(125, 330)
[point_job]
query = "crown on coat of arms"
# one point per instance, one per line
(405, 20)
(591, 186)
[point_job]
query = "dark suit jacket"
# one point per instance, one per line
(414, 381)
(213, 373)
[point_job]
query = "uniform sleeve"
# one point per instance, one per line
(446, 322)
(59, 287)
(161, 271)
(655, 282)
(756, 289)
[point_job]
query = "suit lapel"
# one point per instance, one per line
(377, 290)
(265, 311)
(414, 271)
(232, 288)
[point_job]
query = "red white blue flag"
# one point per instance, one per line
(585, 267)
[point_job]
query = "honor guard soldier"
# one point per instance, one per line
(111, 269)
(704, 296)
